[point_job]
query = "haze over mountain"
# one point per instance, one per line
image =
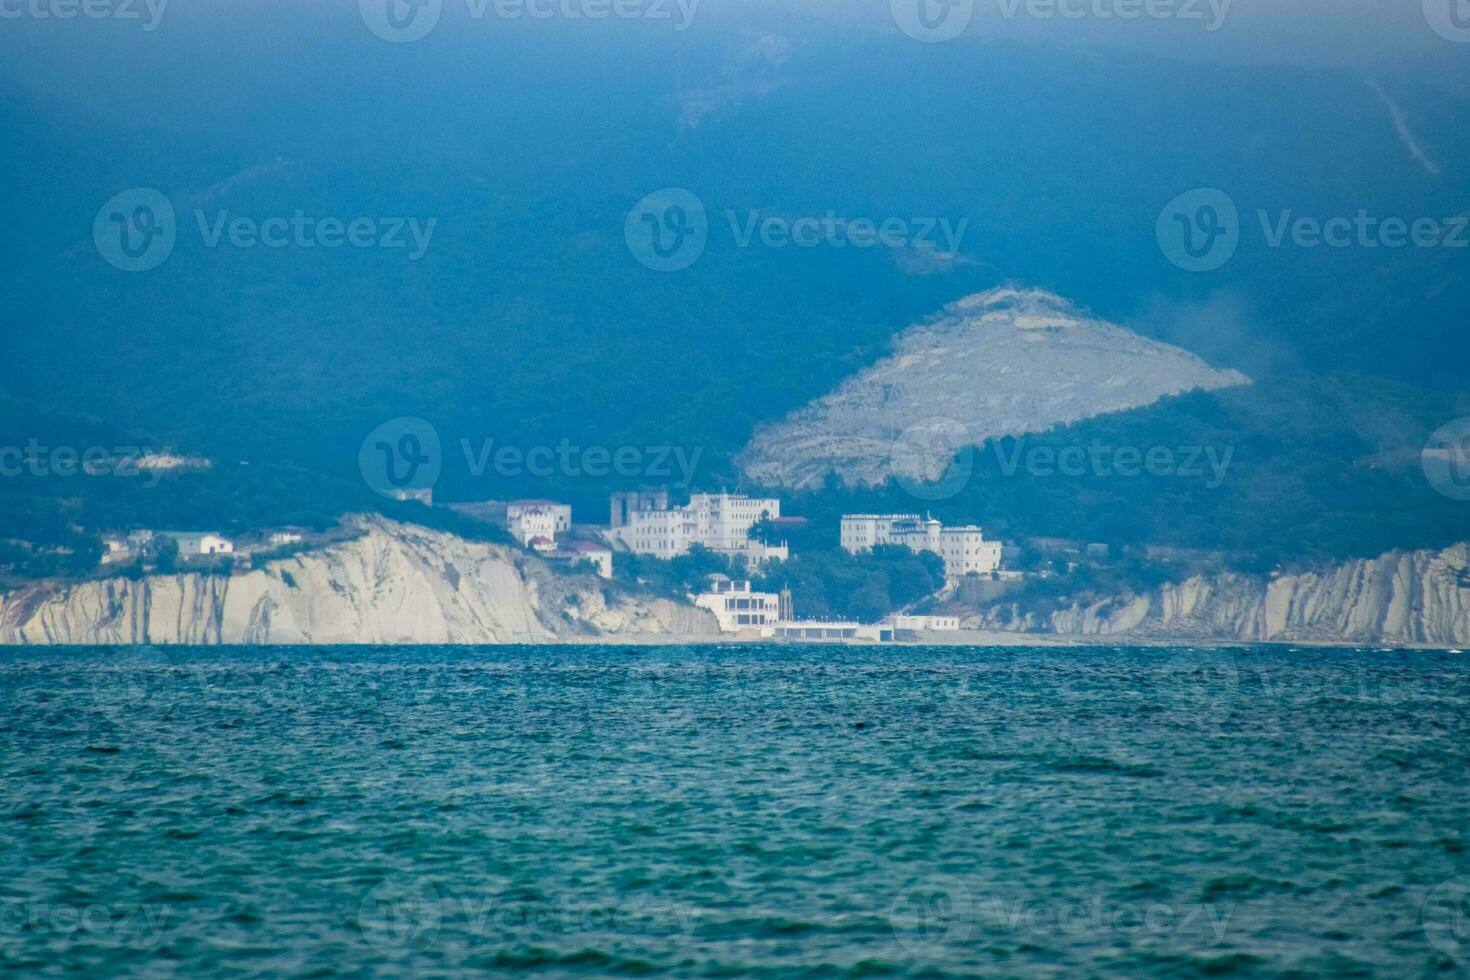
(528, 320)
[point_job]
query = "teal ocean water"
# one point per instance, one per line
(721, 812)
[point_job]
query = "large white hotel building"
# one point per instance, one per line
(645, 524)
(964, 549)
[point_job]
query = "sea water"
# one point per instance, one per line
(738, 811)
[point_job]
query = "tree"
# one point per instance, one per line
(764, 531)
(167, 557)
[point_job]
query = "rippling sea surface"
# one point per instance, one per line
(734, 812)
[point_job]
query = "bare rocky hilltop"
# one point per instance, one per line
(1004, 362)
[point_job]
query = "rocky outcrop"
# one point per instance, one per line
(1413, 597)
(1004, 362)
(393, 583)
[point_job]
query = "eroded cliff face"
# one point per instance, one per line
(404, 584)
(393, 584)
(1401, 597)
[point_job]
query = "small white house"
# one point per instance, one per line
(196, 544)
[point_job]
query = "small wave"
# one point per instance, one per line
(1103, 766)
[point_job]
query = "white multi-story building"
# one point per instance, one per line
(964, 549)
(718, 521)
(738, 608)
(537, 523)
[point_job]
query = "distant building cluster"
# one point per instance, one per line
(645, 522)
(145, 545)
(738, 608)
(545, 527)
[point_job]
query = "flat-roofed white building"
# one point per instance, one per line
(964, 549)
(860, 532)
(941, 624)
(738, 608)
(818, 631)
(718, 521)
(193, 544)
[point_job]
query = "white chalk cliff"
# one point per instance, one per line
(1403, 597)
(1003, 362)
(399, 583)
(394, 583)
